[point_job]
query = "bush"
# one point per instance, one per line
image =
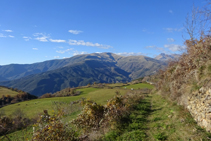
(51, 128)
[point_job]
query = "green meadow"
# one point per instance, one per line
(33, 107)
(5, 91)
(138, 86)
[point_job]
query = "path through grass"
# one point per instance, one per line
(171, 122)
(157, 119)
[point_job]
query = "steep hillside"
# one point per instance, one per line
(78, 74)
(54, 75)
(15, 71)
(187, 81)
(139, 66)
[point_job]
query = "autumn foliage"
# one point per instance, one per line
(189, 70)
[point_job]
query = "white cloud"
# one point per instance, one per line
(75, 31)
(56, 57)
(7, 30)
(63, 51)
(78, 52)
(11, 36)
(35, 48)
(170, 40)
(174, 47)
(82, 43)
(41, 37)
(170, 11)
(173, 29)
(130, 53)
(27, 38)
(2, 35)
(150, 46)
(58, 41)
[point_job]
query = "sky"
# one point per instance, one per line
(39, 30)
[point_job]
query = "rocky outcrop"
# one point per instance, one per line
(199, 105)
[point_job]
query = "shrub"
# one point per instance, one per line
(51, 128)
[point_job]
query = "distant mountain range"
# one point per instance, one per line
(54, 75)
(167, 57)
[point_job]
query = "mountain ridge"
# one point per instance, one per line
(54, 75)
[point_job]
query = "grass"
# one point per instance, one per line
(156, 119)
(31, 109)
(153, 119)
(115, 84)
(171, 122)
(102, 95)
(139, 85)
(6, 91)
(34, 107)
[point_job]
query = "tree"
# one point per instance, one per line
(197, 22)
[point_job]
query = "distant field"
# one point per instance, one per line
(33, 107)
(102, 95)
(115, 85)
(6, 91)
(139, 85)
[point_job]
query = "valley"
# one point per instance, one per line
(55, 75)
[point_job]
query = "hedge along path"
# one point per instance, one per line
(168, 121)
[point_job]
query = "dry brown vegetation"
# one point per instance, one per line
(193, 68)
(191, 71)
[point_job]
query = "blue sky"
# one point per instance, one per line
(38, 30)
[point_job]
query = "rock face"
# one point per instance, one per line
(199, 105)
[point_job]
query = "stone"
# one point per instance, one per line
(204, 123)
(202, 90)
(189, 107)
(209, 110)
(169, 116)
(208, 116)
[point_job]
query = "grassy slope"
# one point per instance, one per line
(171, 121)
(31, 109)
(161, 120)
(99, 95)
(5, 91)
(158, 119)
(139, 85)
